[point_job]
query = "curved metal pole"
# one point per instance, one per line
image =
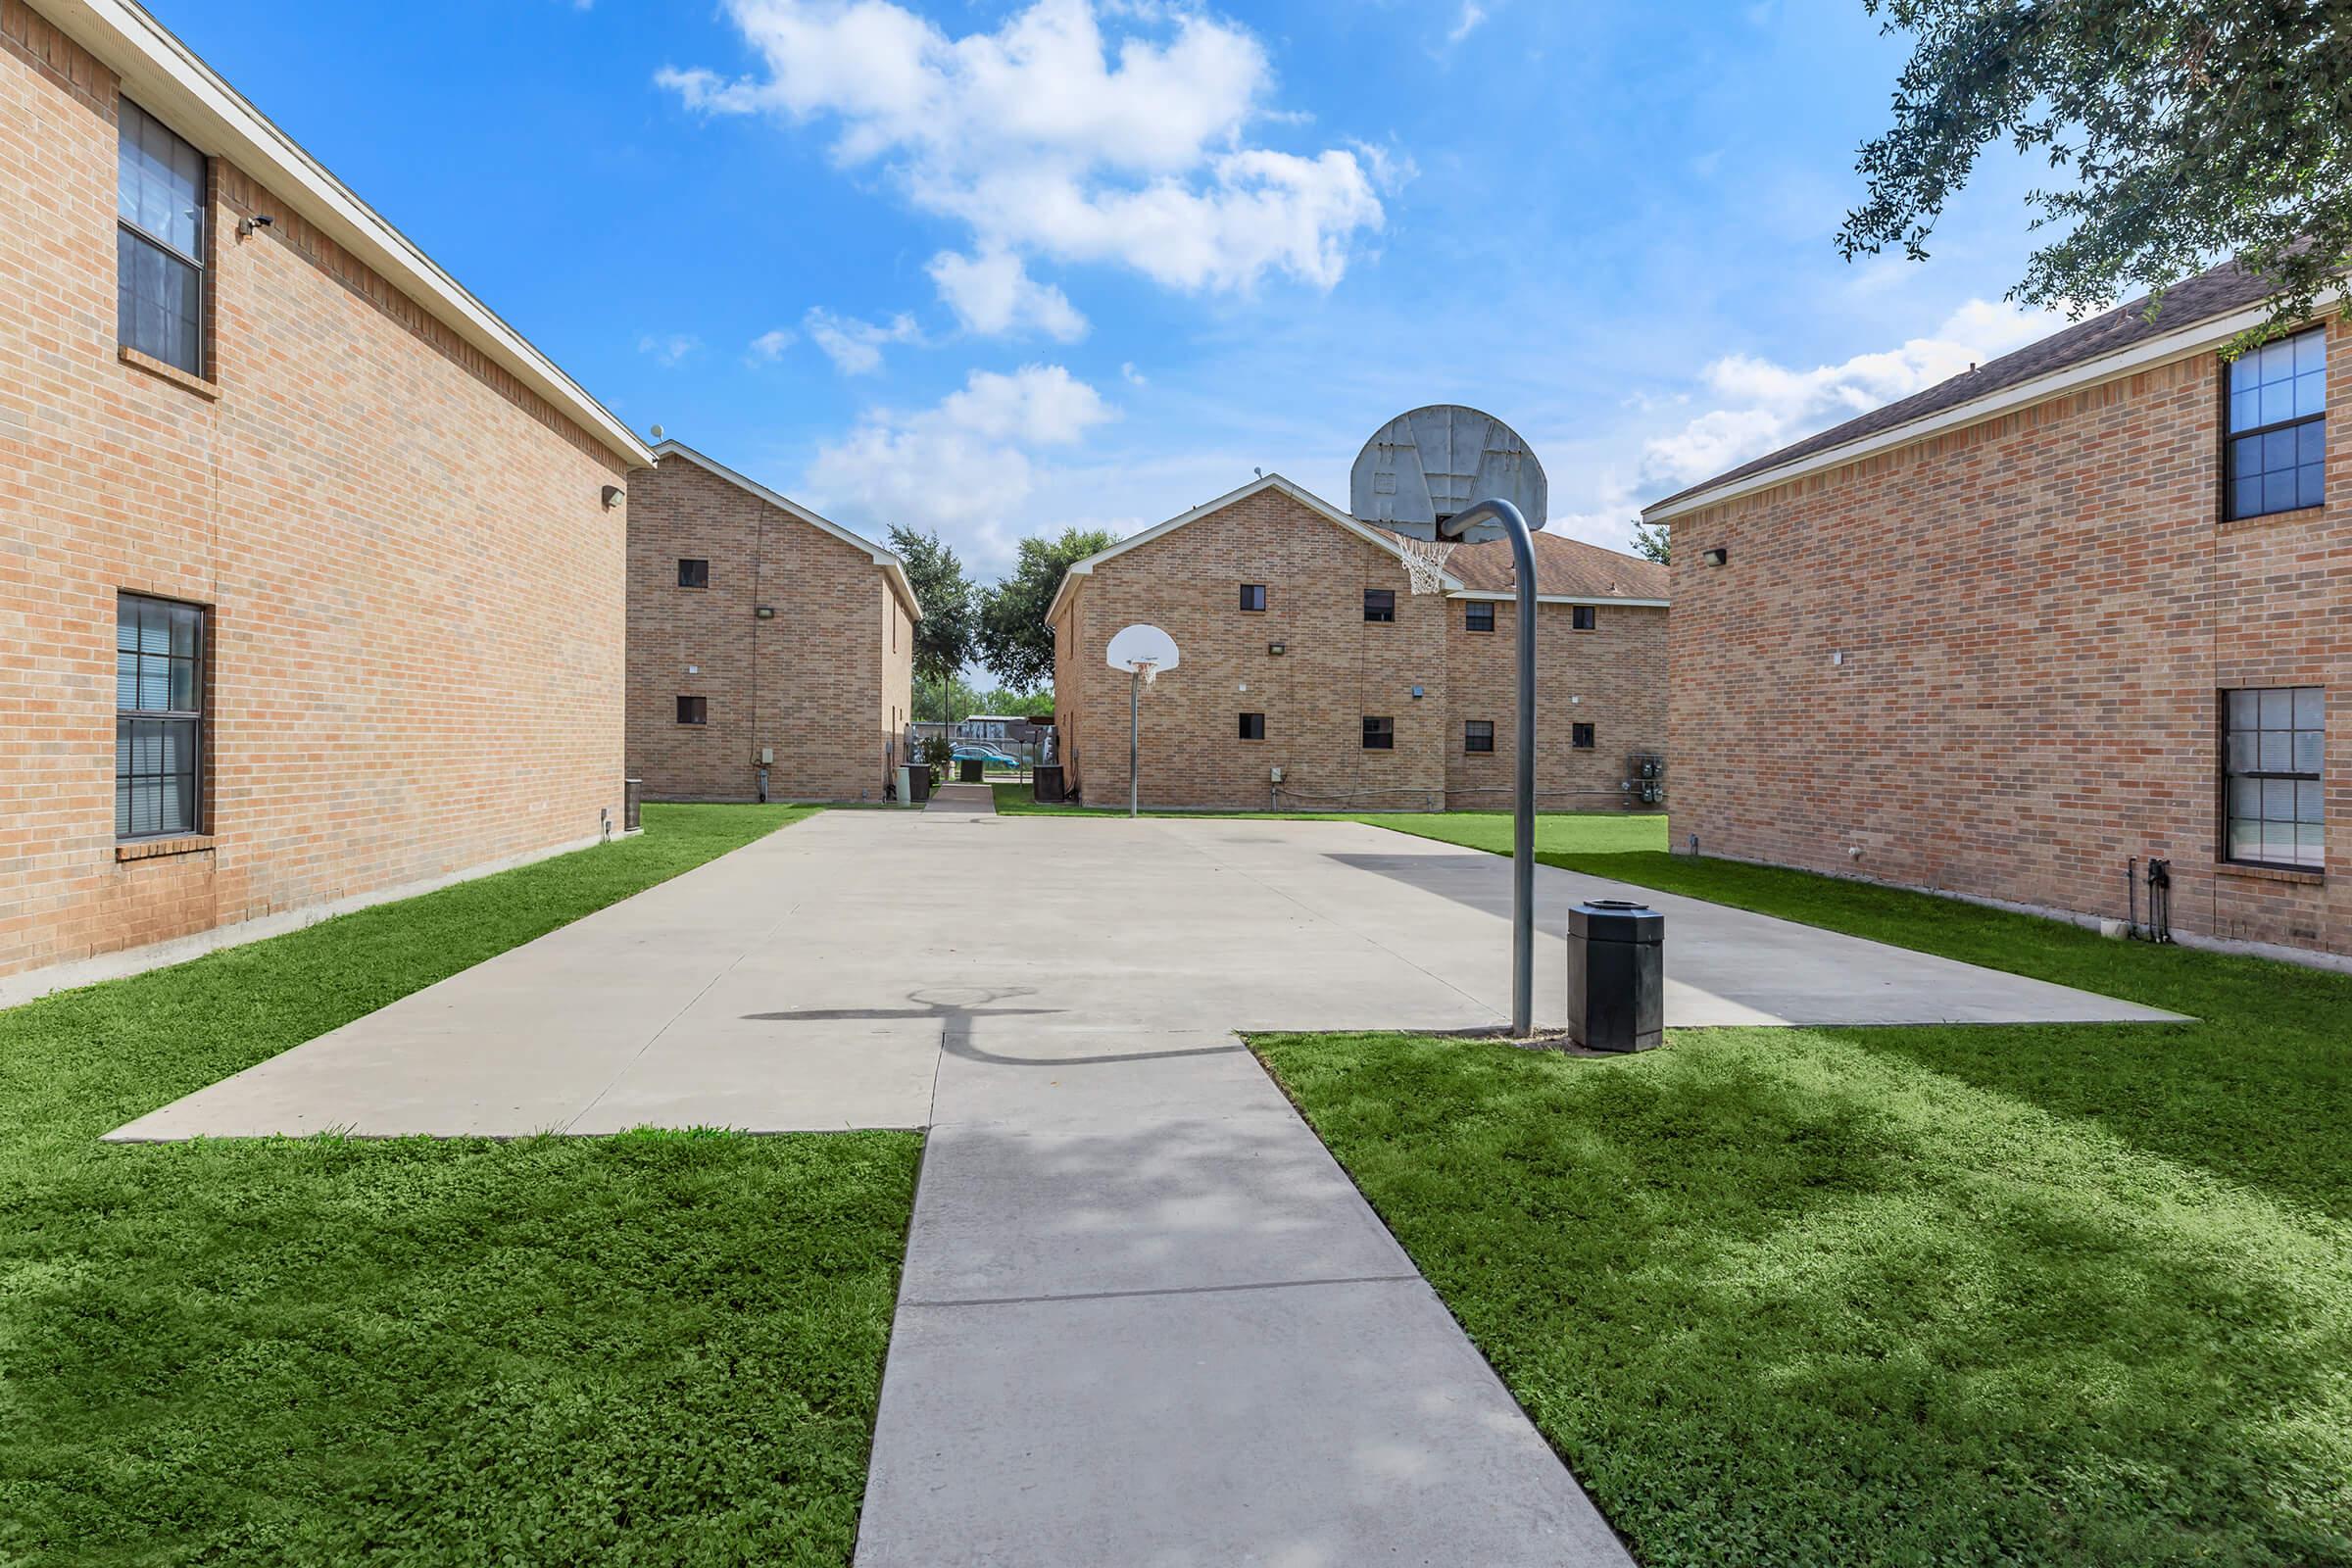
(1523, 806)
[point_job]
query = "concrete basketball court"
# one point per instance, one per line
(1144, 1317)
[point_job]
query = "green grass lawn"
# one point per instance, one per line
(2019, 1294)
(656, 1347)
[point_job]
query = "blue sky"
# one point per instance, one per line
(997, 268)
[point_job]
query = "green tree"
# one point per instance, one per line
(943, 639)
(1027, 703)
(1653, 544)
(1014, 640)
(2185, 130)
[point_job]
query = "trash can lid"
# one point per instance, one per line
(1616, 920)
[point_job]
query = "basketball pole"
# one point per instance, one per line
(1523, 807)
(1135, 692)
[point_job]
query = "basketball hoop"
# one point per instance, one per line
(1424, 562)
(1149, 668)
(1142, 651)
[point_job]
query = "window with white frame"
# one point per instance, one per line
(2276, 457)
(2274, 742)
(159, 242)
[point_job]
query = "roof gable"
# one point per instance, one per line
(1306, 498)
(892, 564)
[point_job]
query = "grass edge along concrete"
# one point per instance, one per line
(298, 1350)
(2063, 1293)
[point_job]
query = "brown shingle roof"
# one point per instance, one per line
(2213, 293)
(1566, 566)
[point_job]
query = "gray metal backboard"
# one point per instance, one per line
(1434, 462)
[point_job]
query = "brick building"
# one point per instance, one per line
(760, 631)
(310, 568)
(2082, 605)
(1303, 650)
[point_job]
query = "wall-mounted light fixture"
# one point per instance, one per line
(766, 612)
(1274, 649)
(612, 495)
(246, 225)
(1716, 557)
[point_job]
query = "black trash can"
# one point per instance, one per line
(969, 771)
(1047, 789)
(919, 780)
(1616, 975)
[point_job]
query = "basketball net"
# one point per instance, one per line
(1147, 669)
(1424, 562)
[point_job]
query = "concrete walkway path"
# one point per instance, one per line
(1145, 1318)
(963, 799)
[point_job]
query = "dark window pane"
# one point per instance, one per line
(1253, 596)
(159, 300)
(693, 573)
(1477, 615)
(1380, 734)
(159, 184)
(1586, 617)
(1253, 726)
(1380, 604)
(1579, 736)
(1478, 735)
(694, 710)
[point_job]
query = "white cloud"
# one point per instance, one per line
(770, 346)
(1132, 376)
(964, 466)
(1763, 406)
(993, 294)
(1049, 139)
(853, 346)
(668, 348)
(1471, 15)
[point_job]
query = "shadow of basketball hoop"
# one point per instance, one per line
(957, 1006)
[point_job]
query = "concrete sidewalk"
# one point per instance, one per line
(963, 799)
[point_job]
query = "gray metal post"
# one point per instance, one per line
(1135, 690)
(1523, 807)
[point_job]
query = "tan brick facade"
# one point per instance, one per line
(1990, 661)
(414, 585)
(825, 684)
(1335, 670)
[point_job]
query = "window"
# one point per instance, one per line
(1583, 617)
(696, 574)
(694, 710)
(1253, 596)
(2277, 447)
(1380, 604)
(159, 242)
(1253, 726)
(1478, 734)
(2273, 740)
(1477, 615)
(158, 716)
(1380, 734)
(1579, 736)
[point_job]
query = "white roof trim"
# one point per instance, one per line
(891, 563)
(1272, 481)
(1504, 596)
(2199, 337)
(167, 79)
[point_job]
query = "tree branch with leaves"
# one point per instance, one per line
(943, 639)
(2189, 131)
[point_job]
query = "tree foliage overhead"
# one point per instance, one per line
(943, 639)
(1014, 640)
(1653, 543)
(2189, 130)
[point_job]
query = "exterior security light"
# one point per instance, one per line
(1274, 649)
(612, 495)
(1716, 558)
(766, 612)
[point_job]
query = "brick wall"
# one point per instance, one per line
(416, 591)
(2036, 615)
(1335, 668)
(1612, 677)
(824, 683)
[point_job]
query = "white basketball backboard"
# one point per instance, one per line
(1141, 645)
